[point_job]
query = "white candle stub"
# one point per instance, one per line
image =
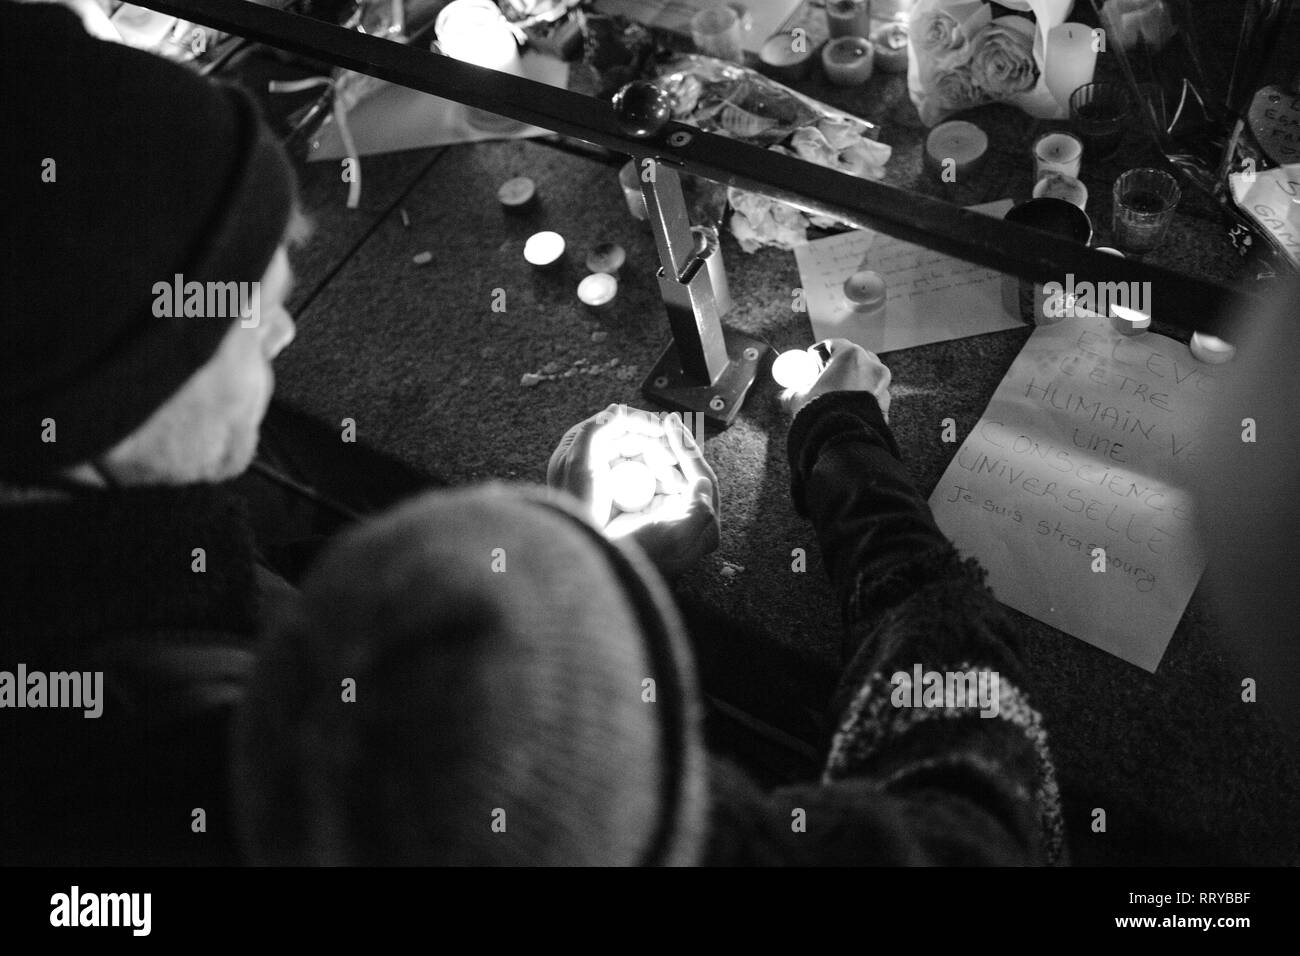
(1211, 350)
(597, 289)
(1129, 321)
(956, 149)
(633, 485)
(865, 291)
(797, 369)
(517, 194)
(544, 248)
(1057, 153)
(891, 47)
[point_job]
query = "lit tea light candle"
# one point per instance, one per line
(658, 458)
(847, 60)
(1129, 321)
(890, 42)
(632, 485)
(474, 31)
(1057, 153)
(544, 249)
(1211, 350)
(958, 146)
(796, 369)
(597, 290)
(631, 445)
(1070, 61)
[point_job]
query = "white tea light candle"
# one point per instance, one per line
(607, 257)
(517, 194)
(1128, 321)
(1211, 350)
(597, 290)
(891, 48)
(796, 369)
(1057, 152)
(847, 60)
(866, 293)
(956, 149)
(474, 31)
(544, 249)
(1070, 61)
(632, 486)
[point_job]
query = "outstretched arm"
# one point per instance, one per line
(930, 707)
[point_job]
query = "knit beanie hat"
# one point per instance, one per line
(121, 170)
(476, 678)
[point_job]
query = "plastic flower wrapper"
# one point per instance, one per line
(960, 56)
(721, 97)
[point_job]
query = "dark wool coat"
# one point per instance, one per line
(106, 581)
(902, 785)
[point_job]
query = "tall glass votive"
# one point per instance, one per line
(1100, 112)
(1145, 200)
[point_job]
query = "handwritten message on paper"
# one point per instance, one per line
(931, 297)
(1272, 199)
(1088, 443)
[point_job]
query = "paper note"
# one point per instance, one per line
(1088, 443)
(1272, 199)
(674, 16)
(931, 297)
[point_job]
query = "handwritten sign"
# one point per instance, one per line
(1070, 489)
(931, 297)
(1272, 199)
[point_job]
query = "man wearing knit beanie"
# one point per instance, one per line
(477, 677)
(128, 587)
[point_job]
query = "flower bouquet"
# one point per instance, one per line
(960, 56)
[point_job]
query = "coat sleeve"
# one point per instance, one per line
(915, 612)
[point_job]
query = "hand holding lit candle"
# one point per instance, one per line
(848, 368)
(643, 477)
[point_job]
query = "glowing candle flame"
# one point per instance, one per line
(797, 369)
(632, 485)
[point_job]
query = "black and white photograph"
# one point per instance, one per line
(650, 433)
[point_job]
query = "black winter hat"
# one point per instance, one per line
(121, 170)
